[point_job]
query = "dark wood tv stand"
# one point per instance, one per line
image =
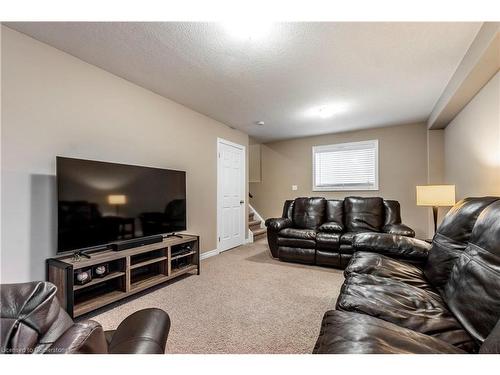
(129, 271)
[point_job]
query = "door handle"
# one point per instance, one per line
(241, 202)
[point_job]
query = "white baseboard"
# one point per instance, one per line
(208, 254)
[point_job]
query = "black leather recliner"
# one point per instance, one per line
(448, 302)
(32, 321)
(320, 231)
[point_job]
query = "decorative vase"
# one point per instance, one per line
(83, 277)
(101, 270)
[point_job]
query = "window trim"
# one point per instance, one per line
(336, 146)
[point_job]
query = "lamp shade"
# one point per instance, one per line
(436, 195)
(117, 199)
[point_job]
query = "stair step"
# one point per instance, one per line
(254, 223)
(259, 232)
(251, 216)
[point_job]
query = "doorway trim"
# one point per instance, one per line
(219, 191)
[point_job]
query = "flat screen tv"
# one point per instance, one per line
(100, 203)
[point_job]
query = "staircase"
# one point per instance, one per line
(254, 224)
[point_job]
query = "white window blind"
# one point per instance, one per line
(346, 166)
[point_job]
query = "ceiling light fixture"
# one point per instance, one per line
(247, 30)
(326, 111)
(260, 123)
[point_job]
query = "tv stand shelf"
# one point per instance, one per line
(98, 281)
(129, 271)
(151, 261)
(183, 255)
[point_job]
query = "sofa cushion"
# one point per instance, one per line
(297, 254)
(346, 248)
(309, 213)
(382, 266)
(328, 258)
(305, 234)
(348, 237)
(420, 310)
(288, 209)
(452, 237)
(328, 241)
(331, 227)
(351, 333)
(364, 214)
(410, 249)
(335, 211)
(296, 242)
(392, 212)
(473, 289)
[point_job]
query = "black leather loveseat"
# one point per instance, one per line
(449, 303)
(320, 231)
(32, 321)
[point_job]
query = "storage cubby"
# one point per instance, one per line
(155, 255)
(143, 276)
(182, 249)
(128, 271)
(181, 262)
(183, 257)
(115, 269)
(91, 295)
(142, 273)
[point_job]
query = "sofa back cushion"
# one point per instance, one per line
(472, 292)
(288, 210)
(335, 211)
(452, 237)
(392, 212)
(364, 214)
(309, 213)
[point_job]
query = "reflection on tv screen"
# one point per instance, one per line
(100, 202)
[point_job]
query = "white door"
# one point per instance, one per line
(230, 195)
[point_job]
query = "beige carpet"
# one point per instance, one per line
(243, 302)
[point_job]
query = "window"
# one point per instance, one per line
(346, 166)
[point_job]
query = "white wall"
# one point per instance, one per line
(472, 145)
(54, 104)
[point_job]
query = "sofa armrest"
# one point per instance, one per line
(399, 229)
(85, 337)
(143, 332)
(392, 245)
(278, 224)
(331, 227)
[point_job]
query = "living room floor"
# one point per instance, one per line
(244, 301)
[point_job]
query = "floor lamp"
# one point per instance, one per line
(436, 196)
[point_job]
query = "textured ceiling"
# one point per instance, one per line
(378, 73)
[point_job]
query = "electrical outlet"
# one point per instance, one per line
(295, 187)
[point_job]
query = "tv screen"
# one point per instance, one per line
(100, 203)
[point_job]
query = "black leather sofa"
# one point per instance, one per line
(320, 231)
(32, 321)
(449, 302)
